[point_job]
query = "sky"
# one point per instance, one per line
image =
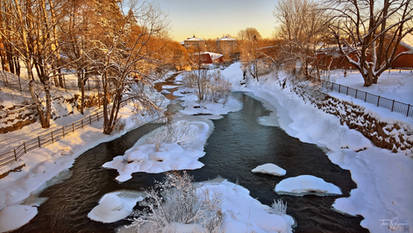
(215, 18)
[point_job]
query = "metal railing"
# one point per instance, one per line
(49, 137)
(379, 101)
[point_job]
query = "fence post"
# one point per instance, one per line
(24, 147)
(347, 91)
(38, 141)
(97, 116)
(51, 134)
(63, 131)
(332, 85)
(81, 122)
(339, 88)
(408, 109)
(73, 127)
(356, 94)
(15, 155)
(90, 119)
(365, 96)
(378, 101)
(392, 106)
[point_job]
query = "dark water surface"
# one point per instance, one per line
(237, 145)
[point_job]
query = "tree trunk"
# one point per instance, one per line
(48, 113)
(38, 104)
(369, 78)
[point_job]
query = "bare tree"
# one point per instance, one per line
(368, 33)
(303, 28)
(31, 33)
(122, 53)
(78, 30)
(248, 40)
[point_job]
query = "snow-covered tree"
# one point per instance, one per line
(32, 32)
(123, 53)
(368, 33)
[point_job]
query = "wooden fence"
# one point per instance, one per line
(49, 137)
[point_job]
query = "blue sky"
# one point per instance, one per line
(214, 18)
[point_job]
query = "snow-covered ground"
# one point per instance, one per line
(242, 213)
(177, 146)
(384, 179)
(44, 163)
(10, 140)
(391, 85)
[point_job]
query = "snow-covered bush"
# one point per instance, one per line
(174, 204)
(278, 207)
(210, 86)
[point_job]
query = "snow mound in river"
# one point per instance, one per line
(306, 185)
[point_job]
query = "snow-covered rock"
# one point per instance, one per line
(269, 168)
(115, 206)
(14, 217)
(241, 212)
(306, 185)
(174, 147)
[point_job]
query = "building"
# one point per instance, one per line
(195, 44)
(331, 58)
(206, 58)
(227, 46)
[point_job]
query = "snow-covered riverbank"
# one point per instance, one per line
(384, 179)
(42, 164)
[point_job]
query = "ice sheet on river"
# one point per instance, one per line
(13, 217)
(270, 169)
(306, 185)
(115, 206)
(177, 146)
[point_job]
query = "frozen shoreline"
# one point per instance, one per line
(43, 164)
(384, 179)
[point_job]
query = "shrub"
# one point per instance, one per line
(209, 86)
(279, 207)
(175, 201)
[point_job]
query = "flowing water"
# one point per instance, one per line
(237, 145)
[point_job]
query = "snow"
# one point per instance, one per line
(214, 56)
(183, 228)
(44, 163)
(306, 185)
(383, 177)
(226, 38)
(194, 39)
(192, 106)
(241, 212)
(177, 147)
(115, 206)
(384, 186)
(269, 168)
(392, 85)
(14, 217)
